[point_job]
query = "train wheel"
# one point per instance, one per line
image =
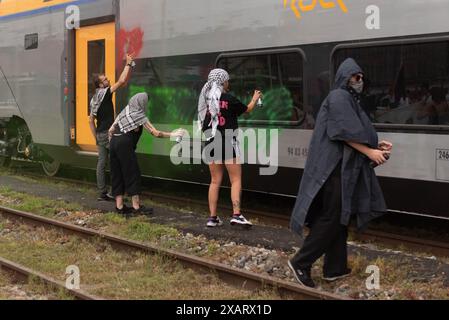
(51, 167)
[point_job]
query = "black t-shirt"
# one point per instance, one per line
(105, 115)
(230, 109)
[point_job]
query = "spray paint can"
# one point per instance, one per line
(259, 103)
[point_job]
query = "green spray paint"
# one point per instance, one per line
(178, 106)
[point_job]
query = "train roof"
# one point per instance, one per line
(199, 26)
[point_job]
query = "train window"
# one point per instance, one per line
(279, 75)
(407, 84)
(31, 41)
(96, 51)
(174, 84)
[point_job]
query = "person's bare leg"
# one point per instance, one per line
(235, 176)
(216, 173)
(136, 202)
(119, 202)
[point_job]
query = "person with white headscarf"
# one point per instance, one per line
(218, 112)
(124, 136)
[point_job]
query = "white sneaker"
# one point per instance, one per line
(214, 222)
(240, 220)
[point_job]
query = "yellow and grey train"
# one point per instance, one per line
(51, 50)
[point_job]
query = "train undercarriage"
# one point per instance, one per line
(16, 143)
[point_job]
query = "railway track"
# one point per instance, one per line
(238, 278)
(23, 274)
(438, 248)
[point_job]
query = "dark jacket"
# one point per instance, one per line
(341, 119)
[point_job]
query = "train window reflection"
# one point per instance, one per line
(96, 65)
(406, 84)
(278, 75)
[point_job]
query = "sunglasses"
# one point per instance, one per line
(358, 77)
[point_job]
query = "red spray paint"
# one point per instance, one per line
(129, 42)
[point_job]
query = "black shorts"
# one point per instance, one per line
(217, 150)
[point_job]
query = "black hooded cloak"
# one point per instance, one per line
(341, 120)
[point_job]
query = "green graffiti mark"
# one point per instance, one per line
(178, 106)
(169, 105)
(278, 106)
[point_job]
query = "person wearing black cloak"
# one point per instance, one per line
(339, 179)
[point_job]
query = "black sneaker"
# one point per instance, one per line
(335, 277)
(142, 211)
(106, 197)
(302, 276)
(124, 211)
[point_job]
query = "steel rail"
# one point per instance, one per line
(23, 274)
(438, 248)
(238, 278)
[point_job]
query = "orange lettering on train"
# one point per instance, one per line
(299, 6)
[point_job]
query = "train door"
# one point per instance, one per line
(95, 55)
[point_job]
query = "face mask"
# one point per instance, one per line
(358, 86)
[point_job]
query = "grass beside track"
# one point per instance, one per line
(112, 274)
(399, 280)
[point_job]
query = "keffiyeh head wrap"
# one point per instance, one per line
(210, 98)
(134, 115)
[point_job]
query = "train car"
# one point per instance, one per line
(290, 49)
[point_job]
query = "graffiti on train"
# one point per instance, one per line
(300, 7)
(130, 42)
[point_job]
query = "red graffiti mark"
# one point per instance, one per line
(129, 42)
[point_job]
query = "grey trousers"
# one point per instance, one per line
(103, 156)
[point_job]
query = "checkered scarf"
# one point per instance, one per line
(96, 100)
(134, 115)
(210, 99)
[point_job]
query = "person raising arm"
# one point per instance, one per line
(101, 118)
(102, 95)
